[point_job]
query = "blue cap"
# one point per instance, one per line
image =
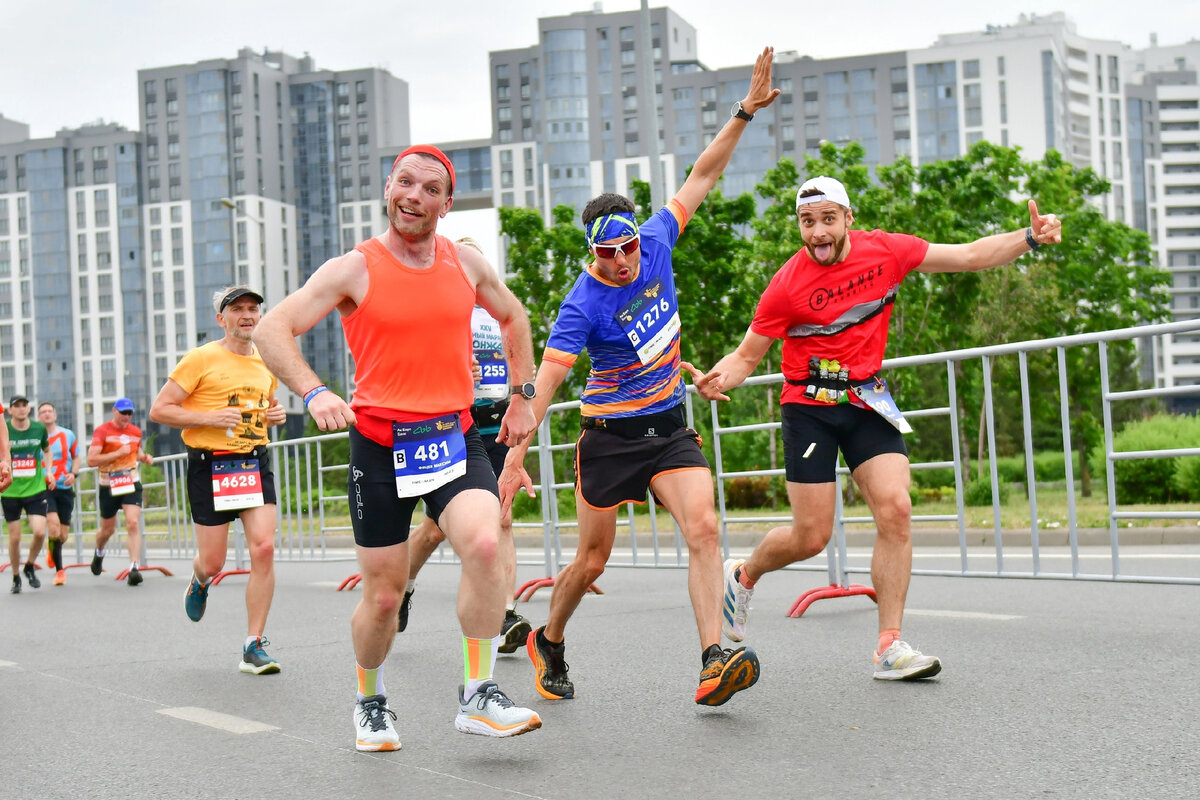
(124, 404)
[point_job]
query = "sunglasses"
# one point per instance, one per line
(610, 250)
(125, 413)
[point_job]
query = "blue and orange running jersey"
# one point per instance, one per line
(620, 384)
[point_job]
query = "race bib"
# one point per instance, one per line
(427, 454)
(121, 482)
(493, 385)
(650, 321)
(236, 485)
(879, 399)
(24, 466)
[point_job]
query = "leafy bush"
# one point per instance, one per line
(752, 492)
(1187, 479)
(933, 478)
(979, 492)
(1153, 480)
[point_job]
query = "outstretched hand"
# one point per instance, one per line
(513, 478)
(708, 386)
(1046, 228)
(761, 94)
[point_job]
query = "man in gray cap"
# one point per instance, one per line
(830, 303)
(223, 397)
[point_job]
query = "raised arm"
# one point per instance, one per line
(996, 250)
(731, 370)
(712, 162)
(339, 283)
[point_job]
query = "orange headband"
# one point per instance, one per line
(429, 150)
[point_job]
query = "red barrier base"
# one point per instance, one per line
(123, 574)
(350, 582)
(833, 590)
(36, 566)
(525, 593)
(217, 578)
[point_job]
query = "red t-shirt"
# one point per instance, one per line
(839, 312)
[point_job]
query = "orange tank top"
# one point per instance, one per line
(411, 336)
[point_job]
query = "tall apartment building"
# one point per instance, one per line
(257, 170)
(250, 170)
(1164, 130)
(570, 119)
(72, 299)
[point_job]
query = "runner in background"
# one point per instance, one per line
(64, 470)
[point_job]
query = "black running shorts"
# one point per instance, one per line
(200, 486)
(378, 516)
(62, 502)
(34, 505)
(611, 469)
(109, 505)
(496, 452)
(812, 436)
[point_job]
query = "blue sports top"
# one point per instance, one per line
(631, 332)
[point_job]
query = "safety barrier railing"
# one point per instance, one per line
(313, 508)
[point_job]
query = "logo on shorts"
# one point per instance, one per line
(651, 432)
(358, 473)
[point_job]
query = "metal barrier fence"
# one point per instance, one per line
(313, 512)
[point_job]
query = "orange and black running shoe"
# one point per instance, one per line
(725, 674)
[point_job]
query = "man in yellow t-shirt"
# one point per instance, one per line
(223, 397)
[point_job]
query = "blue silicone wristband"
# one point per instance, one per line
(313, 393)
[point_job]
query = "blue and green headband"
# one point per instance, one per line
(611, 226)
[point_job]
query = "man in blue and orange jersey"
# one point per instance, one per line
(405, 299)
(64, 467)
(624, 311)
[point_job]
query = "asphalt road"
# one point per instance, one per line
(1049, 689)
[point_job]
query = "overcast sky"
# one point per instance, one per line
(68, 62)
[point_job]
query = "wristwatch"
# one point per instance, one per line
(739, 112)
(526, 390)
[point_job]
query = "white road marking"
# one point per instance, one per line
(960, 614)
(8, 663)
(215, 719)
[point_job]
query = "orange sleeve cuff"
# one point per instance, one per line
(559, 357)
(681, 215)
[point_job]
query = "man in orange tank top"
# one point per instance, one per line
(405, 299)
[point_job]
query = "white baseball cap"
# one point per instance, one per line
(826, 189)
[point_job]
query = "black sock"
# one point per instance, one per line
(711, 650)
(546, 643)
(56, 553)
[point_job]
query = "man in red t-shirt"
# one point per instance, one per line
(830, 303)
(116, 451)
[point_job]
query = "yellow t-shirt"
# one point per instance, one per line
(215, 378)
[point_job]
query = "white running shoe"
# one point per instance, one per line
(900, 662)
(736, 605)
(372, 726)
(489, 712)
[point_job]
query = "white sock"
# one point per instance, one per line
(412, 584)
(133, 565)
(250, 640)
